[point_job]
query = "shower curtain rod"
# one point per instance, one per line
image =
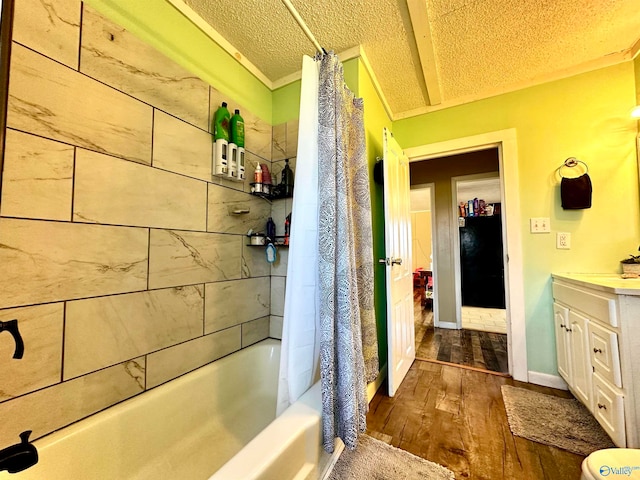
(303, 26)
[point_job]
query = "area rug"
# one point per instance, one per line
(560, 422)
(375, 460)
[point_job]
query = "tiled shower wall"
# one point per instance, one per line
(121, 259)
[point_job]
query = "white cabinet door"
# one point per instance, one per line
(561, 320)
(580, 358)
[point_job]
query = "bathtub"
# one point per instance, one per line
(190, 427)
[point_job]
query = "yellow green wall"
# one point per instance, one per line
(375, 119)
(586, 116)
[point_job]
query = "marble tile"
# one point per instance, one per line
(116, 57)
(184, 258)
(172, 362)
(255, 331)
(279, 142)
(114, 191)
(41, 330)
(257, 135)
(224, 201)
(57, 406)
(51, 28)
(100, 332)
(275, 326)
(53, 101)
(279, 214)
(279, 267)
(180, 147)
(277, 295)
(37, 181)
(254, 261)
(231, 303)
(292, 138)
(51, 261)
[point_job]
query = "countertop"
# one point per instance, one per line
(604, 282)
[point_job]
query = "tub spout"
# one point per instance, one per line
(20, 456)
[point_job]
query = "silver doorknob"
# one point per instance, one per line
(396, 261)
(384, 261)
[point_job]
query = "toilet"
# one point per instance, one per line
(612, 463)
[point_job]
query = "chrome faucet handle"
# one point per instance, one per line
(12, 327)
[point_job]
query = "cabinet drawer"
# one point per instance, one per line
(608, 408)
(605, 356)
(599, 307)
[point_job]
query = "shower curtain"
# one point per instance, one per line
(329, 325)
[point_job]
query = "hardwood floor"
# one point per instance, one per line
(483, 350)
(456, 417)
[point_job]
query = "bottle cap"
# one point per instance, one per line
(237, 111)
(224, 104)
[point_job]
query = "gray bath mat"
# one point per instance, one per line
(375, 460)
(560, 422)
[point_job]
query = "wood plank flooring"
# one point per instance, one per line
(483, 350)
(456, 417)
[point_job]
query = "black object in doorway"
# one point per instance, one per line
(481, 262)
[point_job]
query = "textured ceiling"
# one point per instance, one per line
(469, 49)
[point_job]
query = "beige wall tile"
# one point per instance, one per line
(52, 28)
(277, 295)
(292, 138)
(41, 365)
(232, 303)
(38, 178)
(224, 201)
(275, 326)
(183, 258)
(172, 362)
(279, 142)
(255, 331)
(279, 267)
(53, 101)
(254, 261)
(114, 191)
(60, 405)
(257, 135)
(181, 147)
(51, 261)
(103, 331)
(117, 58)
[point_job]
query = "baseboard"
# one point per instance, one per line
(373, 387)
(546, 380)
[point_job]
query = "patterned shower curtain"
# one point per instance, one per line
(348, 339)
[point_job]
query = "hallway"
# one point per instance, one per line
(471, 348)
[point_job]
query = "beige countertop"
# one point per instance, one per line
(604, 282)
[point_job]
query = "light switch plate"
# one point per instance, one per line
(540, 225)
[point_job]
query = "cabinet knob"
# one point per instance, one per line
(597, 350)
(568, 329)
(562, 325)
(600, 406)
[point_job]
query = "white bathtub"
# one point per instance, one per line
(189, 427)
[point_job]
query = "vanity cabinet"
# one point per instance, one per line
(597, 327)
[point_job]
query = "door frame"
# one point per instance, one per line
(455, 235)
(506, 142)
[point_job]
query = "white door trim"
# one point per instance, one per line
(506, 142)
